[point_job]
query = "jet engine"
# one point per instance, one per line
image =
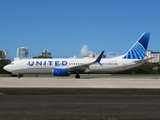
(60, 72)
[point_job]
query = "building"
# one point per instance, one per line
(22, 52)
(93, 55)
(45, 53)
(3, 55)
(155, 55)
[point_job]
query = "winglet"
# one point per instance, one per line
(99, 58)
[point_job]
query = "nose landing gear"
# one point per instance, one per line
(19, 75)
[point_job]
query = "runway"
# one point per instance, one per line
(79, 104)
(68, 98)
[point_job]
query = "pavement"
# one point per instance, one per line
(64, 82)
(61, 98)
(79, 104)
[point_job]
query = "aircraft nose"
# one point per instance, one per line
(6, 68)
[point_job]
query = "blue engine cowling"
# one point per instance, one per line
(60, 72)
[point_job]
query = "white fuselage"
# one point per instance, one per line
(38, 66)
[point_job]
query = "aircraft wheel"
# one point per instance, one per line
(77, 76)
(18, 76)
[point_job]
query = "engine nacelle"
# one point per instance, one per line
(60, 72)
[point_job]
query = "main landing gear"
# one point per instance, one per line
(77, 76)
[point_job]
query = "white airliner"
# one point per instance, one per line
(136, 56)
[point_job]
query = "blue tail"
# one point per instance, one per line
(138, 50)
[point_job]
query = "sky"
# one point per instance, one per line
(73, 27)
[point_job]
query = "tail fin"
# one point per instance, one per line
(138, 50)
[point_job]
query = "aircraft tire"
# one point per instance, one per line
(77, 76)
(18, 76)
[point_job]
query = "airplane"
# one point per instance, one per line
(136, 56)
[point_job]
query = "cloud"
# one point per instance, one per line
(85, 50)
(112, 54)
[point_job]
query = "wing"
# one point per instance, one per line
(85, 66)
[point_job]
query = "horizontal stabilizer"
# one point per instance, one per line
(144, 60)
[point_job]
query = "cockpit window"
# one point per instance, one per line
(12, 63)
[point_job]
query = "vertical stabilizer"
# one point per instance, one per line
(138, 50)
